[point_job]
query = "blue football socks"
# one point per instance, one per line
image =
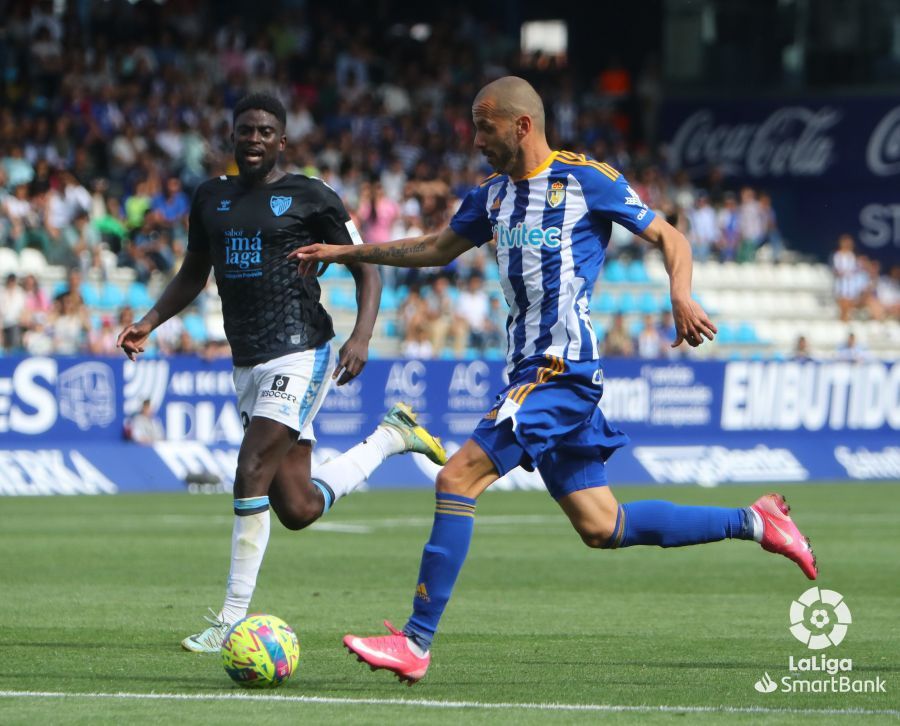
(664, 524)
(442, 559)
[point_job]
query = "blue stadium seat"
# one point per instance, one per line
(389, 299)
(627, 304)
(635, 328)
(746, 334)
(606, 303)
(727, 334)
(390, 328)
(195, 327)
(139, 297)
(637, 272)
(649, 304)
(91, 293)
(111, 297)
(615, 272)
(341, 299)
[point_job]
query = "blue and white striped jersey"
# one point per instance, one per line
(551, 230)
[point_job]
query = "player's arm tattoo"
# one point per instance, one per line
(378, 254)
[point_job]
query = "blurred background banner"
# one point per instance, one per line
(833, 162)
(70, 425)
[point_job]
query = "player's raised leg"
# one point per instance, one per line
(406, 653)
(602, 522)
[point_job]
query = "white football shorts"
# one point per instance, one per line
(289, 389)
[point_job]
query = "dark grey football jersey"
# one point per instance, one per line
(269, 309)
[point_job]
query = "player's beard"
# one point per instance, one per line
(505, 155)
(255, 174)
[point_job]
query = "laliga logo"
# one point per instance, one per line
(819, 618)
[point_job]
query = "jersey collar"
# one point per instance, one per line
(540, 167)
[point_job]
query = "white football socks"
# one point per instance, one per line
(249, 538)
(346, 472)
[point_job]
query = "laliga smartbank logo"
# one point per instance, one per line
(819, 619)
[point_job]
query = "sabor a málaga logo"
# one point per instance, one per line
(819, 619)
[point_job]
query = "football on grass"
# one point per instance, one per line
(260, 651)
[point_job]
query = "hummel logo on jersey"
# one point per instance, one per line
(633, 198)
(524, 236)
(280, 205)
(422, 592)
(224, 205)
(280, 383)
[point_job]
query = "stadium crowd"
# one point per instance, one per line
(104, 135)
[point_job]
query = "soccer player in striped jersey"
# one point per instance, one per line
(549, 213)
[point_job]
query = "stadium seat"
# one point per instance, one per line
(605, 303)
(31, 261)
(139, 297)
(111, 297)
(649, 304)
(726, 334)
(615, 272)
(746, 334)
(195, 327)
(627, 304)
(389, 300)
(637, 272)
(9, 261)
(91, 293)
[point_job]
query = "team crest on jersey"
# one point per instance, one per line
(556, 194)
(280, 205)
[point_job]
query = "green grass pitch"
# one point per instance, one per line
(96, 593)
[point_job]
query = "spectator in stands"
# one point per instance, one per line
(772, 238)
(802, 352)
(102, 342)
(412, 314)
(19, 216)
(418, 345)
(37, 304)
(144, 427)
(752, 223)
(869, 273)
(443, 321)
(172, 206)
(888, 291)
(852, 350)
(729, 229)
(473, 306)
(846, 277)
(649, 343)
(69, 323)
(704, 229)
(12, 309)
(618, 343)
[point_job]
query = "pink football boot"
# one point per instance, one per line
(780, 534)
(390, 652)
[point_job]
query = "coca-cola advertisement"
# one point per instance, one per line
(832, 165)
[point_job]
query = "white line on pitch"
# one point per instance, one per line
(424, 703)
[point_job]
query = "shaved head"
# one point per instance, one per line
(512, 96)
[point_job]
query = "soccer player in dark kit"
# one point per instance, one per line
(243, 228)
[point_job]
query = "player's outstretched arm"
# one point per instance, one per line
(179, 293)
(355, 352)
(430, 250)
(692, 323)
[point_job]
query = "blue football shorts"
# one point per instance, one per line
(548, 418)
